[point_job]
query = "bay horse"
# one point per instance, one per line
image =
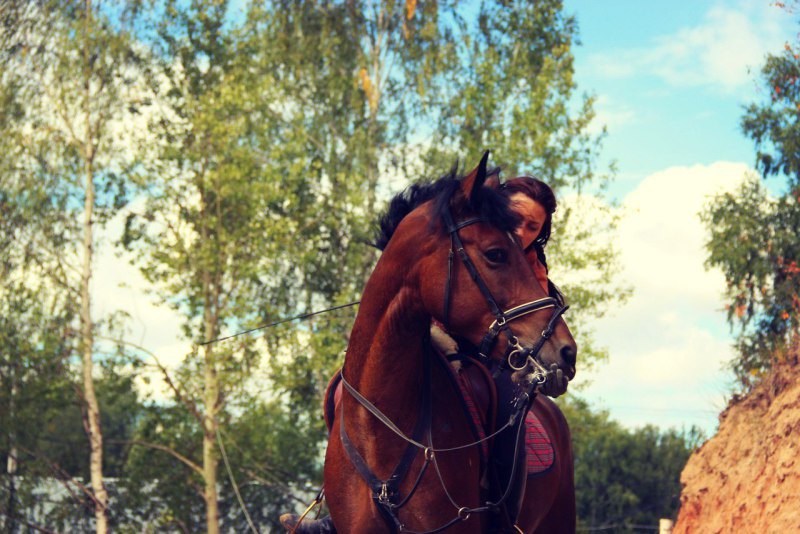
(401, 456)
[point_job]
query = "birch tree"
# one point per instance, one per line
(207, 226)
(68, 68)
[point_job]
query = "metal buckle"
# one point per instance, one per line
(383, 496)
(540, 373)
(511, 362)
(516, 348)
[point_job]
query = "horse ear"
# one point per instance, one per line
(493, 180)
(472, 183)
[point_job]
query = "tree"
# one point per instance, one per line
(346, 74)
(510, 87)
(625, 477)
(761, 270)
(266, 178)
(63, 104)
(211, 198)
(41, 421)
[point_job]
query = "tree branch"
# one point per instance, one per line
(27, 524)
(167, 378)
(169, 450)
(64, 478)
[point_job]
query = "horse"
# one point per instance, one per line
(401, 456)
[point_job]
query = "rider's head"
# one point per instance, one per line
(536, 202)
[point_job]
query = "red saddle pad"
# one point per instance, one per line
(538, 445)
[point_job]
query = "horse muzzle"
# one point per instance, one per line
(528, 369)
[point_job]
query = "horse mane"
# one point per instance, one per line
(489, 204)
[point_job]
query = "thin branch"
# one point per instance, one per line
(282, 487)
(169, 450)
(178, 238)
(234, 484)
(75, 141)
(64, 477)
(60, 278)
(188, 403)
(27, 524)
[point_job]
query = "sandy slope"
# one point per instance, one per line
(746, 479)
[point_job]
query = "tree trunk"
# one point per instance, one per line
(93, 429)
(11, 463)
(210, 458)
(211, 388)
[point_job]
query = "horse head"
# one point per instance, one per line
(472, 275)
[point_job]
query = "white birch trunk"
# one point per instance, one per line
(93, 429)
(210, 457)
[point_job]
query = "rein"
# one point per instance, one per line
(384, 492)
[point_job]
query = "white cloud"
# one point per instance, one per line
(669, 343)
(662, 238)
(118, 286)
(718, 52)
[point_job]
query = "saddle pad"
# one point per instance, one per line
(472, 410)
(538, 446)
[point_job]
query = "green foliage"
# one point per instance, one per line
(510, 89)
(625, 477)
(268, 452)
(41, 416)
(258, 152)
(67, 76)
(754, 233)
(252, 192)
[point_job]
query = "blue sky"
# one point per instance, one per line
(671, 79)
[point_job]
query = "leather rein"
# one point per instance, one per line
(385, 492)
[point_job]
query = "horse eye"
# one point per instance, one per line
(496, 255)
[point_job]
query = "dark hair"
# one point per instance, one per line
(488, 204)
(540, 192)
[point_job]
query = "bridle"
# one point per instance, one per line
(516, 357)
(515, 352)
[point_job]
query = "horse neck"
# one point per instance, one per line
(387, 344)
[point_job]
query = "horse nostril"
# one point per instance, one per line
(569, 354)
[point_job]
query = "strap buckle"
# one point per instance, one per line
(383, 496)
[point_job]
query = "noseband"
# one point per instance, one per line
(516, 356)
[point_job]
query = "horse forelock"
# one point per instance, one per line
(490, 205)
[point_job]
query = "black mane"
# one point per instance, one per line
(491, 205)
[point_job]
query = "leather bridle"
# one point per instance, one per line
(516, 357)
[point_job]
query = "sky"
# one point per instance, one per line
(671, 79)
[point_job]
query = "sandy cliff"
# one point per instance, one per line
(746, 479)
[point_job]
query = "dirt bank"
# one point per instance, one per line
(746, 479)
